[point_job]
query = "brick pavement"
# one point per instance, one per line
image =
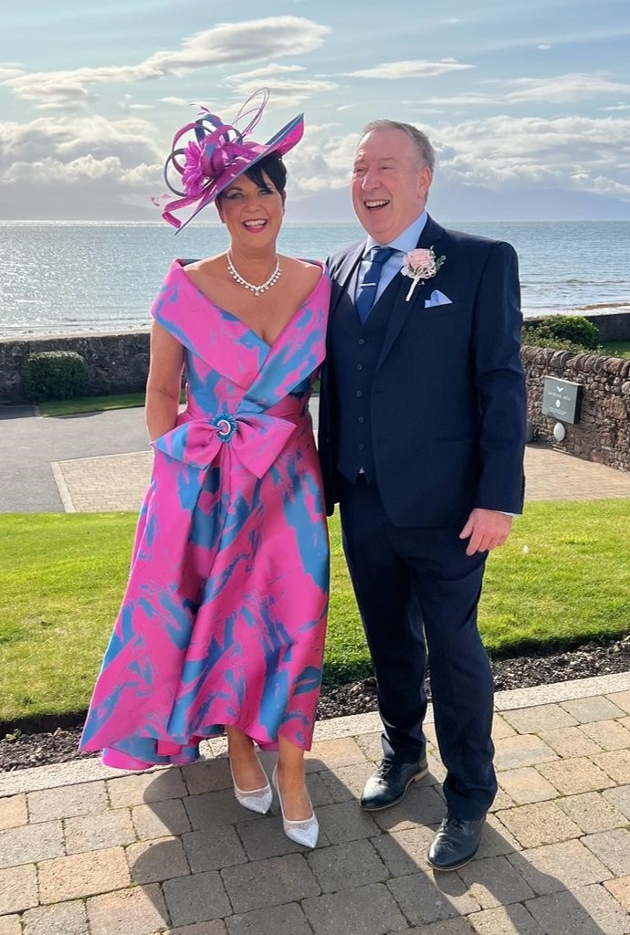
(118, 482)
(101, 462)
(86, 850)
(104, 484)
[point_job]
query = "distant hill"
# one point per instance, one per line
(450, 201)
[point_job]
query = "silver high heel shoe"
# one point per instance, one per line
(258, 800)
(305, 831)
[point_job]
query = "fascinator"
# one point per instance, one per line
(218, 153)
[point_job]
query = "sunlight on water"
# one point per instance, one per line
(65, 277)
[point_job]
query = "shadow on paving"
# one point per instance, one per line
(16, 411)
(205, 859)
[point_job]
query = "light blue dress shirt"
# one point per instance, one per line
(404, 243)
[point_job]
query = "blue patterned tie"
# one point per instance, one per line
(366, 295)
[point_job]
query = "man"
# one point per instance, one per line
(422, 428)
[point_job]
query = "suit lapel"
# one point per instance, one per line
(342, 279)
(401, 308)
(346, 272)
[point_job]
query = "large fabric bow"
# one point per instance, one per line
(256, 439)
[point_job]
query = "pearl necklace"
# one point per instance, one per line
(273, 279)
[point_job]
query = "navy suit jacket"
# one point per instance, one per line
(447, 404)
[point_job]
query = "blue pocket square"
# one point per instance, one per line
(437, 298)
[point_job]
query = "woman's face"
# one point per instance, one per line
(252, 215)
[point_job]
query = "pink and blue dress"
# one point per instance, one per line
(224, 617)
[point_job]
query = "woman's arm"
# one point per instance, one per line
(164, 382)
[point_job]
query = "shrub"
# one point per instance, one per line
(538, 337)
(54, 375)
(567, 332)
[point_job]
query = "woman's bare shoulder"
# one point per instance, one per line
(207, 262)
(304, 271)
(201, 270)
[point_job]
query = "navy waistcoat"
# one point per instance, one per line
(355, 350)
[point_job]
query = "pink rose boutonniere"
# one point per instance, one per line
(420, 265)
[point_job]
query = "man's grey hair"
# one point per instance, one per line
(420, 140)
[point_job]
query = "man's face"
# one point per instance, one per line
(389, 183)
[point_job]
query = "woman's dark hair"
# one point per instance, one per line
(271, 166)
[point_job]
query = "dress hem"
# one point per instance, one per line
(179, 756)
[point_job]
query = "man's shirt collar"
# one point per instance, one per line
(406, 241)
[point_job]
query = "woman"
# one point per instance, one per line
(222, 626)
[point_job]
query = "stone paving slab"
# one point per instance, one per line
(553, 475)
(87, 850)
(105, 484)
(118, 482)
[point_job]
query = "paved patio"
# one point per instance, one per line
(86, 849)
(118, 482)
(101, 461)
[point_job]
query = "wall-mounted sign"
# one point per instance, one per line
(562, 399)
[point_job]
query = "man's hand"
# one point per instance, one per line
(487, 529)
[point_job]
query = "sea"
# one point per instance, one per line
(73, 278)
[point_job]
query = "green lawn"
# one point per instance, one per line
(69, 407)
(563, 577)
(618, 349)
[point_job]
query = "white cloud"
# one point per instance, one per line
(87, 167)
(499, 153)
(543, 47)
(102, 163)
(10, 70)
(468, 99)
(130, 141)
(572, 152)
(174, 101)
(49, 171)
(406, 69)
(272, 69)
(321, 164)
(82, 188)
(617, 107)
(607, 186)
(285, 92)
(248, 41)
(563, 88)
(324, 127)
(127, 103)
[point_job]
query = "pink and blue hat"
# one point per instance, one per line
(218, 154)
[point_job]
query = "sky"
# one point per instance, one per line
(527, 102)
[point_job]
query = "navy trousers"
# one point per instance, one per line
(418, 591)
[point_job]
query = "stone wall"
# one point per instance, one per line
(117, 363)
(603, 431)
(615, 327)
